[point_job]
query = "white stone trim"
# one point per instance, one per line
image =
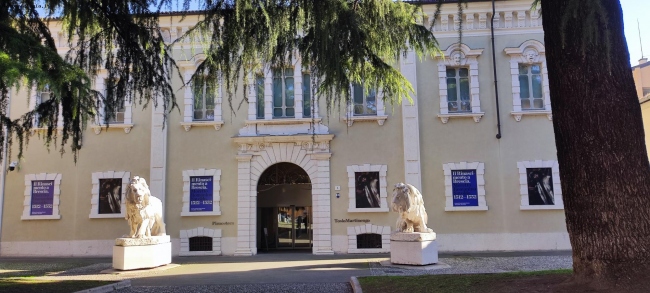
(28, 196)
(185, 236)
(538, 56)
(411, 124)
(467, 58)
(523, 183)
(189, 67)
(256, 154)
(383, 190)
(380, 117)
(480, 182)
(99, 124)
(384, 231)
(216, 187)
(94, 201)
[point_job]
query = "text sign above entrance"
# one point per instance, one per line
(201, 193)
(464, 188)
(42, 197)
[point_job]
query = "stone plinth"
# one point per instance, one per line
(142, 253)
(413, 248)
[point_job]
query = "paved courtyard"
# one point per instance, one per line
(294, 272)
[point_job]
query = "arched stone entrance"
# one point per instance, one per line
(255, 155)
(284, 211)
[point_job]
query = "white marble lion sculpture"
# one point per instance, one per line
(143, 211)
(408, 202)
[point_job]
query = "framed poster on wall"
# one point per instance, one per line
(201, 193)
(367, 189)
(42, 198)
(464, 188)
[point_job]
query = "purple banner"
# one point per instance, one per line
(201, 193)
(42, 197)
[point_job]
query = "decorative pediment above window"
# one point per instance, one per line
(458, 83)
(530, 91)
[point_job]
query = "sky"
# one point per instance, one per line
(634, 10)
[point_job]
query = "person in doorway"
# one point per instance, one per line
(298, 225)
(305, 220)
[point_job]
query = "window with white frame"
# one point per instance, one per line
(204, 98)
(530, 91)
(202, 102)
(458, 97)
(283, 93)
(540, 187)
(364, 102)
(121, 116)
(306, 95)
(458, 83)
(118, 114)
(530, 87)
(41, 97)
(281, 102)
(259, 96)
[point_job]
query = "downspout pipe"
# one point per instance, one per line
(494, 67)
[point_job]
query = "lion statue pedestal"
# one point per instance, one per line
(413, 243)
(147, 245)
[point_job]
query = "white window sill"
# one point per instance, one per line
(49, 217)
(106, 216)
(198, 214)
(35, 130)
(125, 127)
(188, 125)
(541, 207)
(282, 121)
(476, 116)
(466, 209)
(519, 114)
(380, 119)
(368, 210)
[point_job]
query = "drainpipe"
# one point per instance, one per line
(494, 67)
(3, 171)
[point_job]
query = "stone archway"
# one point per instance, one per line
(255, 155)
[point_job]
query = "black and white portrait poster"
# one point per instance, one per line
(540, 186)
(367, 189)
(110, 196)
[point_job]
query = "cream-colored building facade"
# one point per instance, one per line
(279, 174)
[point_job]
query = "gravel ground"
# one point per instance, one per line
(253, 288)
(480, 265)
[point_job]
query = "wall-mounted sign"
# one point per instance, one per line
(351, 220)
(42, 197)
(222, 223)
(201, 193)
(464, 188)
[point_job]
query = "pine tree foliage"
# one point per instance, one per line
(339, 42)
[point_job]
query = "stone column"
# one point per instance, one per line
(246, 208)
(322, 218)
(158, 160)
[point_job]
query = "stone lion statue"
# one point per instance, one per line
(143, 211)
(408, 202)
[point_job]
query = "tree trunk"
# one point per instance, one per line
(601, 151)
